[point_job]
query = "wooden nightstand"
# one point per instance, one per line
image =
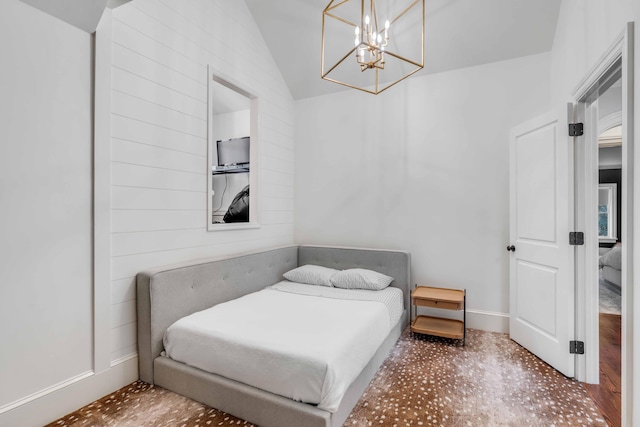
(441, 298)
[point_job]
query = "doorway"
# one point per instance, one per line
(603, 210)
(605, 105)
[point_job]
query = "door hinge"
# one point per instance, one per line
(576, 238)
(576, 129)
(576, 347)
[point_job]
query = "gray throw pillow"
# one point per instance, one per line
(360, 278)
(311, 275)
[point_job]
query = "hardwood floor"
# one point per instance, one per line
(607, 394)
(425, 380)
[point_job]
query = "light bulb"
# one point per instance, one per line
(358, 30)
(386, 24)
(379, 38)
(366, 19)
(374, 38)
(357, 41)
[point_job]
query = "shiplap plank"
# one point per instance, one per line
(124, 151)
(278, 191)
(271, 217)
(124, 244)
(234, 49)
(150, 177)
(277, 205)
(163, 30)
(227, 48)
(130, 83)
(140, 65)
(124, 353)
(126, 221)
(276, 164)
(133, 175)
(284, 121)
(129, 266)
(285, 114)
(123, 313)
(139, 109)
(277, 177)
(123, 290)
(138, 40)
(146, 198)
(281, 153)
(129, 129)
(270, 135)
(123, 336)
(181, 27)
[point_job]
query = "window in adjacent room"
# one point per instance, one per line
(607, 212)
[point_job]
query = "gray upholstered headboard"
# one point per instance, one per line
(167, 294)
(396, 264)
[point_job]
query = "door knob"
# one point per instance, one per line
(511, 248)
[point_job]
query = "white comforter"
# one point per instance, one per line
(303, 342)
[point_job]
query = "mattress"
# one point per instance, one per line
(307, 343)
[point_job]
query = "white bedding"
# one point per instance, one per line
(304, 342)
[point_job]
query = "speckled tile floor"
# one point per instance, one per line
(428, 381)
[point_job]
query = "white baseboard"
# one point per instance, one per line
(66, 383)
(488, 321)
(124, 359)
(55, 402)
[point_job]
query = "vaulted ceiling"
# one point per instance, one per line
(458, 33)
(84, 14)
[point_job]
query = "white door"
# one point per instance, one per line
(541, 264)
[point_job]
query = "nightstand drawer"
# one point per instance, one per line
(438, 304)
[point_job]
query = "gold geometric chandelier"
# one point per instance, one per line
(371, 45)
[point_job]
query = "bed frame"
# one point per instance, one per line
(167, 294)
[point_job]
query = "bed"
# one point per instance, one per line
(168, 296)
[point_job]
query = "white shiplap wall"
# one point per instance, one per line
(161, 49)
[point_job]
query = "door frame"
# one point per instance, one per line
(587, 318)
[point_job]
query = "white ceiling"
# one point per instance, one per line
(84, 14)
(458, 34)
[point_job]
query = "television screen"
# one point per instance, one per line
(233, 151)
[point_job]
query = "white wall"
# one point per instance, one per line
(231, 125)
(155, 205)
(45, 194)
(161, 49)
(610, 157)
(422, 167)
(585, 32)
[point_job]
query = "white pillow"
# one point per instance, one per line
(360, 278)
(311, 275)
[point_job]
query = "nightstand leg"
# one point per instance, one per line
(464, 318)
